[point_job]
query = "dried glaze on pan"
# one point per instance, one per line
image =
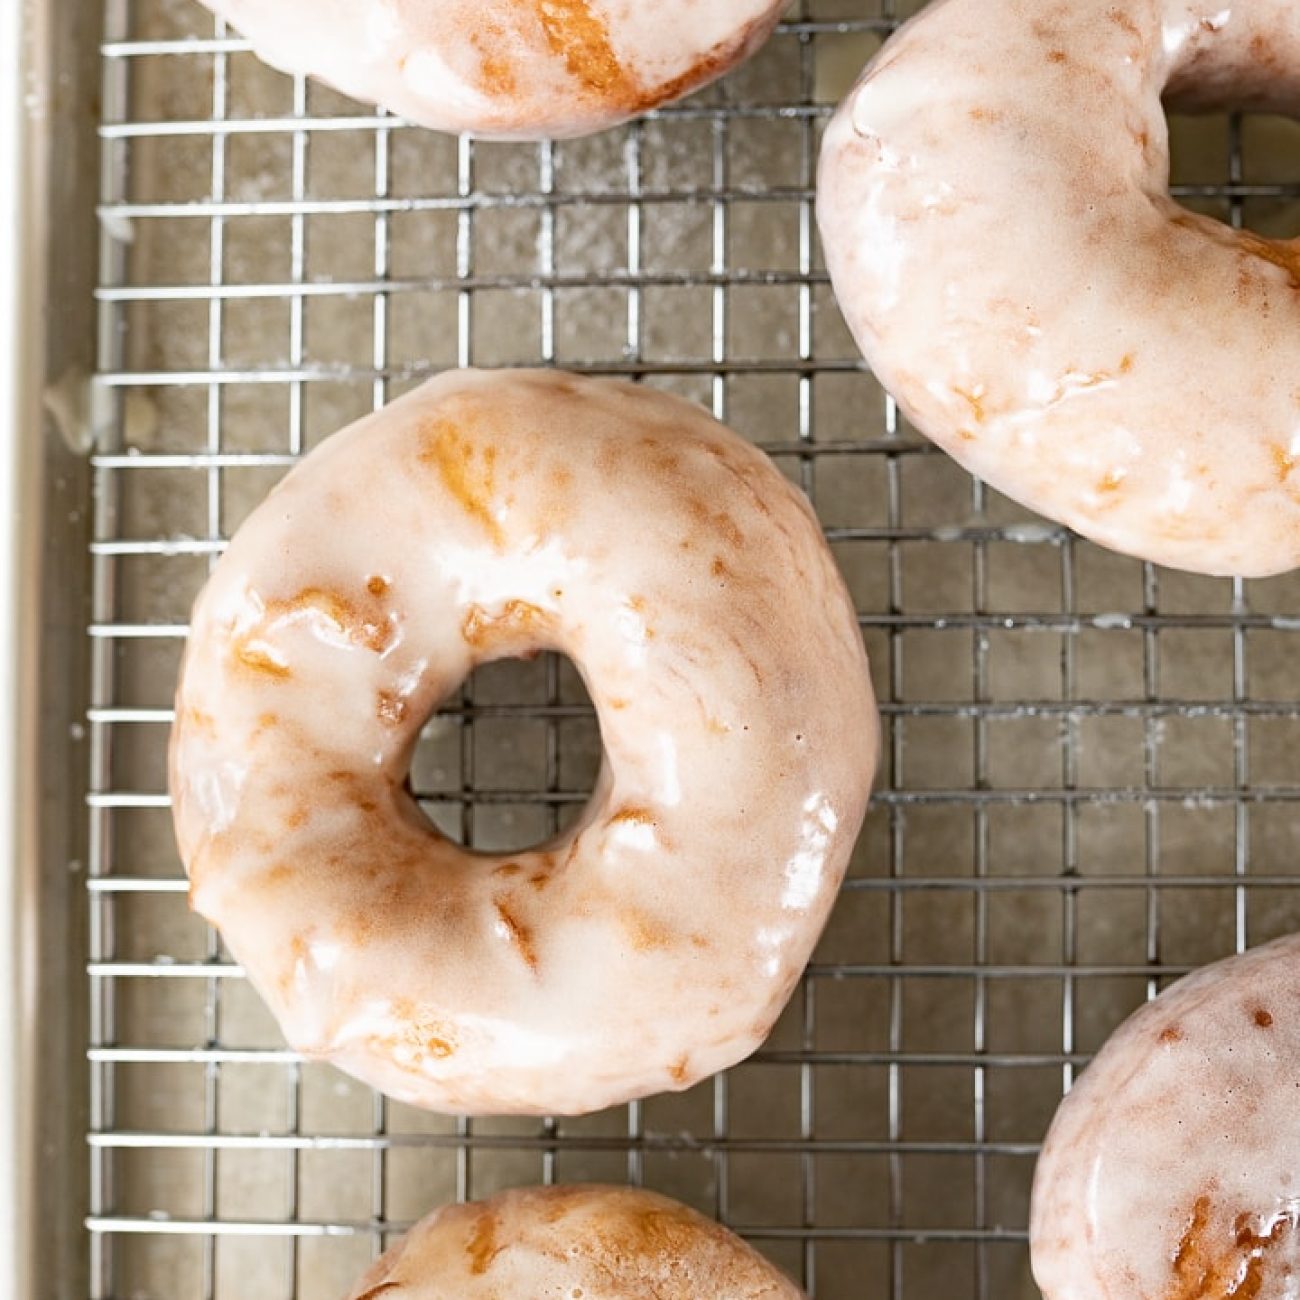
(519, 69)
(993, 199)
(492, 515)
(1172, 1170)
(562, 1243)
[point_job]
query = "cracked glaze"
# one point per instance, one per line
(516, 69)
(1172, 1169)
(480, 517)
(555, 1243)
(993, 199)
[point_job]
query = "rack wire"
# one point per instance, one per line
(1086, 788)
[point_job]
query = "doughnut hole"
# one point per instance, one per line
(510, 758)
(1263, 149)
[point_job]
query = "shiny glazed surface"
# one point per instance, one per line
(518, 69)
(556, 1243)
(1172, 1170)
(482, 516)
(993, 200)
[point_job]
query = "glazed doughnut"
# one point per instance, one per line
(1172, 1170)
(515, 69)
(485, 516)
(596, 1243)
(993, 200)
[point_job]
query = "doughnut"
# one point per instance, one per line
(1172, 1169)
(993, 200)
(492, 515)
(512, 69)
(591, 1242)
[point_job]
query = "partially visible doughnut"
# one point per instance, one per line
(1172, 1169)
(573, 1243)
(489, 515)
(993, 199)
(515, 69)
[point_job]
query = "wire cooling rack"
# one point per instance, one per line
(1087, 782)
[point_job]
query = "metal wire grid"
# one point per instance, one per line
(961, 962)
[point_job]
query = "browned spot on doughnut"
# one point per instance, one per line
(558, 1203)
(296, 817)
(367, 633)
(966, 435)
(677, 1070)
(256, 653)
(1057, 56)
(517, 620)
(720, 520)
(1263, 1018)
(1171, 1034)
(425, 1036)
(974, 398)
(700, 941)
(1122, 20)
(633, 815)
(1283, 462)
(390, 708)
(379, 1290)
(540, 879)
(482, 1246)
(1111, 481)
(278, 874)
(720, 569)
(617, 702)
(518, 934)
(1126, 363)
(199, 720)
(299, 953)
(258, 657)
(1281, 253)
(705, 68)
(495, 71)
(749, 659)
(377, 585)
(578, 34)
(1205, 1269)
(622, 1241)
(468, 472)
(508, 869)
(645, 933)
(438, 1048)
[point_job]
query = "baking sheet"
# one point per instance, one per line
(1088, 783)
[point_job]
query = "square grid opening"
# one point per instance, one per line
(1087, 783)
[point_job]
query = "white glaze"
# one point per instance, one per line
(555, 1243)
(1172, 1170)
(488, 515)
(993, 200)
(517, 69)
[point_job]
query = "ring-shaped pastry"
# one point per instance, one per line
(493, 515)
(511, 69)
(1170, 1169)
(573, 1243)
(994, 204)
